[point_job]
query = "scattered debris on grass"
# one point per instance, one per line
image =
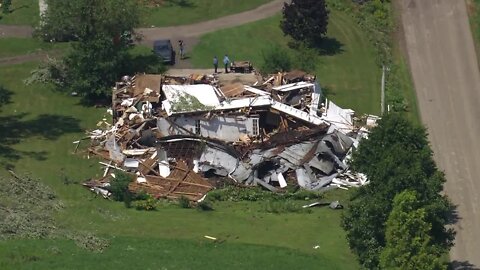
(27, 209)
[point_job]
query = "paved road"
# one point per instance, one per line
(447, 79)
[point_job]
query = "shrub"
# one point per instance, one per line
(235, 194)
(275, 59)
(204, 206)
(119, 187)
(148, 204)
(184, 202)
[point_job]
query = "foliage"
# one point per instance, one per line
(408, 242)
(183, 202)
(186, 103)
(396, 157)
(252, 194)
(148, 204)
(275, 59)
(85, 19)
(119, 187)
(305, 20)
(93, 66)
(26, 208)
(6, 6)
(204, 206)
(104, 34)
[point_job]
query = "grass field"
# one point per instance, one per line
(348, 72)
(38, 128)
(192, 11)
(23, 12)
(173, 12)
(20, 46)
(473, 7)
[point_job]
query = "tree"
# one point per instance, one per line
(305, 20)
(119, 188)
(103, 30)
(6, 6)
(395, 157)
(409, 244)
(84, 19)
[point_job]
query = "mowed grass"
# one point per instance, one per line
(23, 12)
(193, 11)
(139, 253)
(20, 46)
(38, 128)
(474, 13)
(349, 74)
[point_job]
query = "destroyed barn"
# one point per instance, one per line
(173, 134)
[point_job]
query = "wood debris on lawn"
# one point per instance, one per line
(172, 134)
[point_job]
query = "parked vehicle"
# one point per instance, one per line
(164, 49)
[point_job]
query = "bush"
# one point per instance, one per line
(235, 194)
(184, 202)
(119, 187)
(148, 204)
(275, 59)
(204, 206)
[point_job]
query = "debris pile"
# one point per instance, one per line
(174, 133)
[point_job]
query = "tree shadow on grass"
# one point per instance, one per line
(5, 96)
(181, 3)
(15, 129)
(20, 7)
(328, 46)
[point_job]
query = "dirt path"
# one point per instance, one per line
(177, 32)
(37, 56)
(19, 31)
(447, 79)
(198, 29)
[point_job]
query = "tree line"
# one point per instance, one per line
(399, 220)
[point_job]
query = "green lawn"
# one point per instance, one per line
(174, 13)
(350, 77)
(406, 85)
(474, 12)
(19, 46)
(23, 12)
(141, 253)
(38, 128)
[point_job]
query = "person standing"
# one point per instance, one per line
(182, 49)
(226, 62)
(215, 63)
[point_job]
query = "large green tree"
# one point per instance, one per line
(409, 245)
(99, 55)
(395, 157)
(305, 20)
